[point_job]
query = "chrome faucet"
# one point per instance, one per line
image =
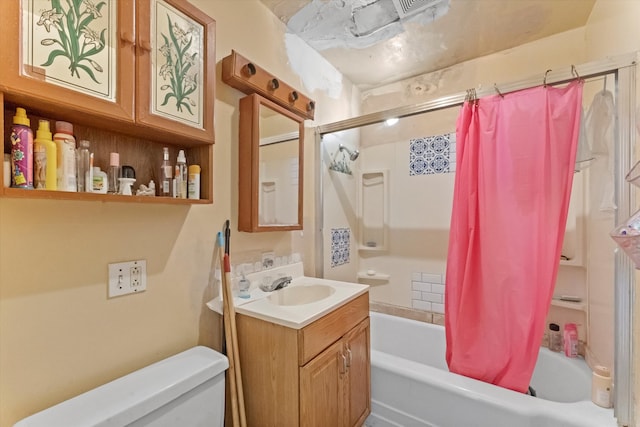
(279, 283)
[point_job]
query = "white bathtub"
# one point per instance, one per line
(411, 386)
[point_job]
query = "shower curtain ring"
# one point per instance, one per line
(544, 82)
(574, 71)
(495, 86)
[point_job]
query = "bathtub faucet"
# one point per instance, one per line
(279, 283)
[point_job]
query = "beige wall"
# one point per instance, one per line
(59, 334)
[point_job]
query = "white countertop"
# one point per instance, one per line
(293, 316)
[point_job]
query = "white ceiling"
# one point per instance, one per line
(409, 47)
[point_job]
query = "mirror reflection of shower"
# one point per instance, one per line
(342, 165)
(353, 155)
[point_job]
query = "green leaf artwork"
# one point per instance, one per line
(179, 68)
(76, 40)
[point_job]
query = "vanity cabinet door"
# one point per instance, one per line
(73, 54)
(357, 350)
(322, 394)
(175, 79)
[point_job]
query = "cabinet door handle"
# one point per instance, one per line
(127, 37)
(348, 357)
(344, 364)
(145, 45)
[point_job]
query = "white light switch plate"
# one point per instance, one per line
(127, 278)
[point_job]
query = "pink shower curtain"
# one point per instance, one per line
(515, 164)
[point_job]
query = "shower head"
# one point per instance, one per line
(352, 154)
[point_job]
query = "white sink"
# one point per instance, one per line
(305, 300)
(302, 294)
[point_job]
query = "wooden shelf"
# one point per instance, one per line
(19, 193)
(144, 155)
(579, 306)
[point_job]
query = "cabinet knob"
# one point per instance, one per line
(145, 45)
(127, 37)
(293, 96)
(274, 84)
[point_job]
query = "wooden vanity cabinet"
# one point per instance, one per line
(315, 376)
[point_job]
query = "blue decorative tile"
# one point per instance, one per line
(340, 246)
(432, 154)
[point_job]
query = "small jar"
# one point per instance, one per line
(555, 337)
(601, 386)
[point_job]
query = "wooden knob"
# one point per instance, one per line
(293, 96)
(127, 37)
(311, 106)
(145, 45)
(274, 84)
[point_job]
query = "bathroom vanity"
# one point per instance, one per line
(305, 354)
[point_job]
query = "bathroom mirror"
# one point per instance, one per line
(270, 166)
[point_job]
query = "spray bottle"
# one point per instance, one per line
(21, 151)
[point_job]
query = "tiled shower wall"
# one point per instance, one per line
(427, 292)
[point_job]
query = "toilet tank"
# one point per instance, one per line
(185, 390)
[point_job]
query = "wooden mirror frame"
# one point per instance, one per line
(249, 164)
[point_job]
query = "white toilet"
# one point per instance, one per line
(185, 390)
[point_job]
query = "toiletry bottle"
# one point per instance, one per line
(571, 340)
(21, 151)
(113, 173)
(84, 160)
(181, 176)
(45, 158)
(601, 386)
(166, 173)
(99, 180)
(555, 338)
(66, 156)
(243, 287)
(194, 182)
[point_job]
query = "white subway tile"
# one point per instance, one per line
(432, 278)
(421, 305)
(421, 286)
(416, 277)
(437, 289)
(428, 296)
(416, 295)
(437, 308)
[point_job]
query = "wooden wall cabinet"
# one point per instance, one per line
(141, 72)
(316, 376)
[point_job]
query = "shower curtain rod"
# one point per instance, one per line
(586, 71)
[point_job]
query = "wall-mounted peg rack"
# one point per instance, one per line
(247, 77)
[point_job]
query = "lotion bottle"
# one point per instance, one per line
(45, 158)
(194, 182)
(66, 156)
(99, 181)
